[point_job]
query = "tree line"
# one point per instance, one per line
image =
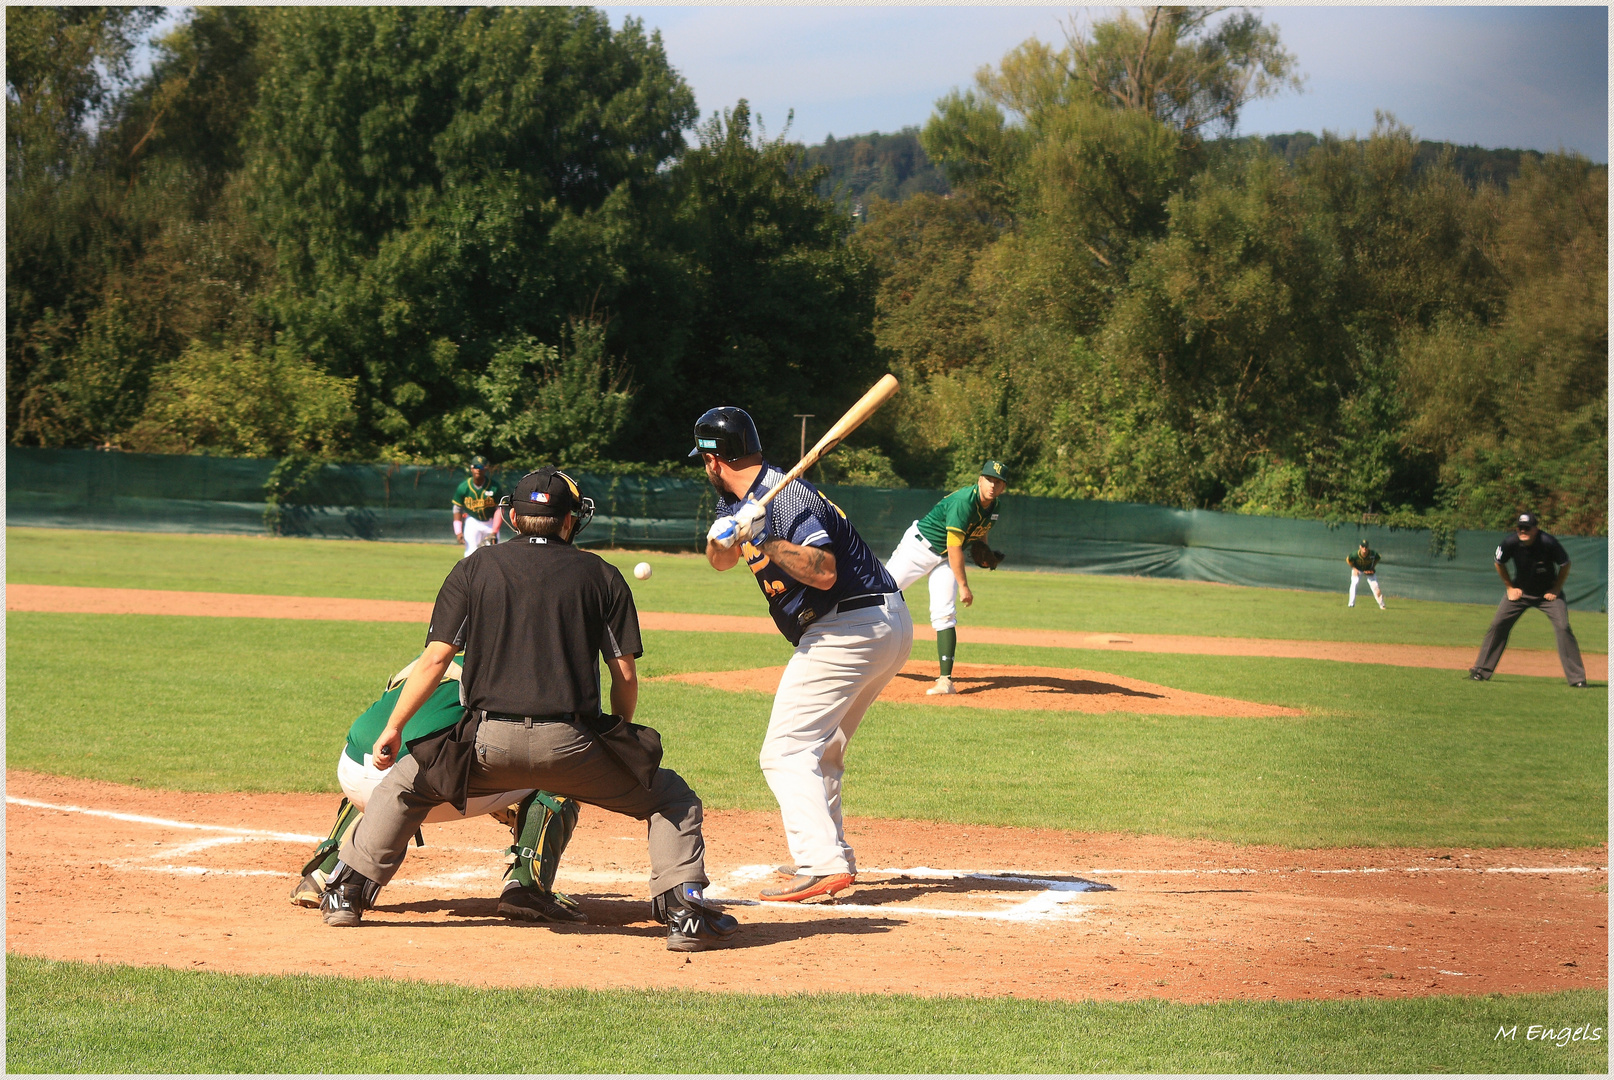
(413, 234)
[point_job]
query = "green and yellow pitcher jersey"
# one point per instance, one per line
(479, 502)
(957, 520)
(442, 710)
(1363, 562)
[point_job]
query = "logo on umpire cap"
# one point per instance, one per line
(539, 496)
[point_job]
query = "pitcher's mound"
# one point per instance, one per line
(1007, 686)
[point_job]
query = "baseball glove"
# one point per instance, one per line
(984, 556)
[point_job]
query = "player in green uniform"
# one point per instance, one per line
(935, 545)
(542, 823)
(1363, 563)
(477, 516)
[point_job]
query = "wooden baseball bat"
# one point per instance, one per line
(878, 395)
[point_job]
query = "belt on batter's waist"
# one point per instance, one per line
(483, 716)
(858, 602)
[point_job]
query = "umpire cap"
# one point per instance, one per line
(546, 492)
(726, 431)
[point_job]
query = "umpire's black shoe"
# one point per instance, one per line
(1579, 685)
(347, 895)
(692, 925)
(534, 904)
(1479, 676)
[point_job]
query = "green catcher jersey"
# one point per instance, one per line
(956, 520)
(1365, 562)
(442, 710)
(479, 502)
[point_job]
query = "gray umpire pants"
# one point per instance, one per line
(1507, 613)
(559, 758)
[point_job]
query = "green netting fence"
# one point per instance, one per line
(153, 492)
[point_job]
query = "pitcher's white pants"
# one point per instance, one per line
(358, 781)
(478, 533)
(913, 560)
(1372, 583)
(840, 667)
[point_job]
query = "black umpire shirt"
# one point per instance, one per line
(1535, 566)
(533, 617)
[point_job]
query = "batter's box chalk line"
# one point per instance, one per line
(1053, 903)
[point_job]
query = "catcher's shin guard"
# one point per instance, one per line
(317, 871)
(543, 827)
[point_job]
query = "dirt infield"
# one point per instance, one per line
(246, 605)
(101, 872)
(1005, 686)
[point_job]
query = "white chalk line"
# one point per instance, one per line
(142, 819)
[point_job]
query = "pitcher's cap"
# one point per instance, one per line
(994, 469)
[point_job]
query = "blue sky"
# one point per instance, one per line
(1522, 77)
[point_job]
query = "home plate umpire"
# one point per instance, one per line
(534, 616)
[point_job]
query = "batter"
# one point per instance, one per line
(830, 597)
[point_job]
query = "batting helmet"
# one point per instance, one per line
(726, 431)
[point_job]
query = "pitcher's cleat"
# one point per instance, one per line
(806, 886)
(944, 685)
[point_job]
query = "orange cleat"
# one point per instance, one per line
(805, 886)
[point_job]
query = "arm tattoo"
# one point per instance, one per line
(808, 565)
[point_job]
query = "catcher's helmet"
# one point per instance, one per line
(726, 431)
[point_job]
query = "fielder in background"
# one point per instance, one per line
(831, 598)
(1363, 563)
(477, 516)
(934, 546)
(1540, 568)
(541, 823)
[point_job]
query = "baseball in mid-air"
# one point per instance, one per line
(642, 571)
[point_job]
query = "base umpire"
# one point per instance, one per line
(534, 616)
(1540, 567)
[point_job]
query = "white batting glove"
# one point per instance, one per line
(723, 533)
(751, 520)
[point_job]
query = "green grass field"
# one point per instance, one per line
(214, 704)
(1382, 756)
(63, 1018)
(684, 583)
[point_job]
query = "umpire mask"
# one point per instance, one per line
(548, 492)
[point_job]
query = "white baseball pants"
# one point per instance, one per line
(478, 533)
(358, 781)
(840, 667)
(1372, 583)
(913, 560)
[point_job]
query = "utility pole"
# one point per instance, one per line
(803, 417)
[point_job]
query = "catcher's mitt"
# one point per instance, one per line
(984, 556)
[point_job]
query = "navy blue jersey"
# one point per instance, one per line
(802, 514)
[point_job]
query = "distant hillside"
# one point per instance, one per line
(895, 166)
(1476, 164)
(890, 166)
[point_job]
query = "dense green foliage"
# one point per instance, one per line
(1123, 309)
(410, 234)
(90, 1018)
(406, 234)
